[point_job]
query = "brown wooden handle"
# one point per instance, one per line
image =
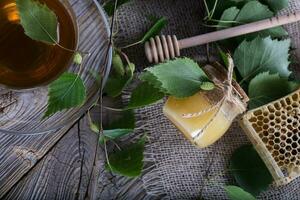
(166, 47)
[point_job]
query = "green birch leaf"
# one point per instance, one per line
(38, 21)
(94, 127)
(266, 87)
(223, 5)
(155, 29)
(66, 92)
(110, 5)
(116, 83)
(251, 12)
(261, 55)
(144, 94)
(124, 120)
(117, 64)
(249, 171)
(180, 78)
(237, 193)
(113, 134)
(121, 126)
(255, 11)
(277, 5)
(229, 14)
(129, 161)
(152, 80)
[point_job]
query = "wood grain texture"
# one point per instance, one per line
(64, 172)
(67, 171)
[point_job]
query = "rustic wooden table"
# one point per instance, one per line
(59, 165)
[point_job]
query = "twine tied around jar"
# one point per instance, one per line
(227, 90)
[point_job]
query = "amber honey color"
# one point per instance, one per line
(205, 129)
(25, 63)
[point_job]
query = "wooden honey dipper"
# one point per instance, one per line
(163, 47)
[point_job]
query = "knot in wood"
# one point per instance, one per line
(28, 155)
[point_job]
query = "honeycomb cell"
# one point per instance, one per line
(294, 145)
(275, 153)
(282, 102)
(283, 117)
(293, 159)
(271, 130)
(272, 116)
(277, 106)
(260, 118)
(282, 151)
(276, 146)
(295, 138)
(295, 105)
(295, 97)
(271, 108)
(288, 101)
(289, 108)
(265, 140)
(288, 147)
(253, 119)
(257, 113)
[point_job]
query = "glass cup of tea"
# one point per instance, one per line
(28, 66)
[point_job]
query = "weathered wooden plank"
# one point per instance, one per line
(18, 154)
(22, 111)
(64, 172)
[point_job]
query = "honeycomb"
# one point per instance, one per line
(274, 129)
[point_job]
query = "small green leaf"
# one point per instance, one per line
(228, 15)
(222, 5)
(155, 29)
(180, 78)
(249, 171)
(253, 11)
(124, 120)
(207, 86)
(129, 161)
(118, 65)
(110, 5)
(261, 55)
(237, 193)
(114, 134)
(77, 58)
(39, 22)
(66, 92)
(94, 127)
(144, 94)
(250, 12)
(116, 84)
(277, 5)
(266, 87)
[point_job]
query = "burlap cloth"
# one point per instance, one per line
(175, 168)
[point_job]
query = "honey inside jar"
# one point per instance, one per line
(25, 63)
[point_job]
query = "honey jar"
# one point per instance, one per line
(206, 116)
